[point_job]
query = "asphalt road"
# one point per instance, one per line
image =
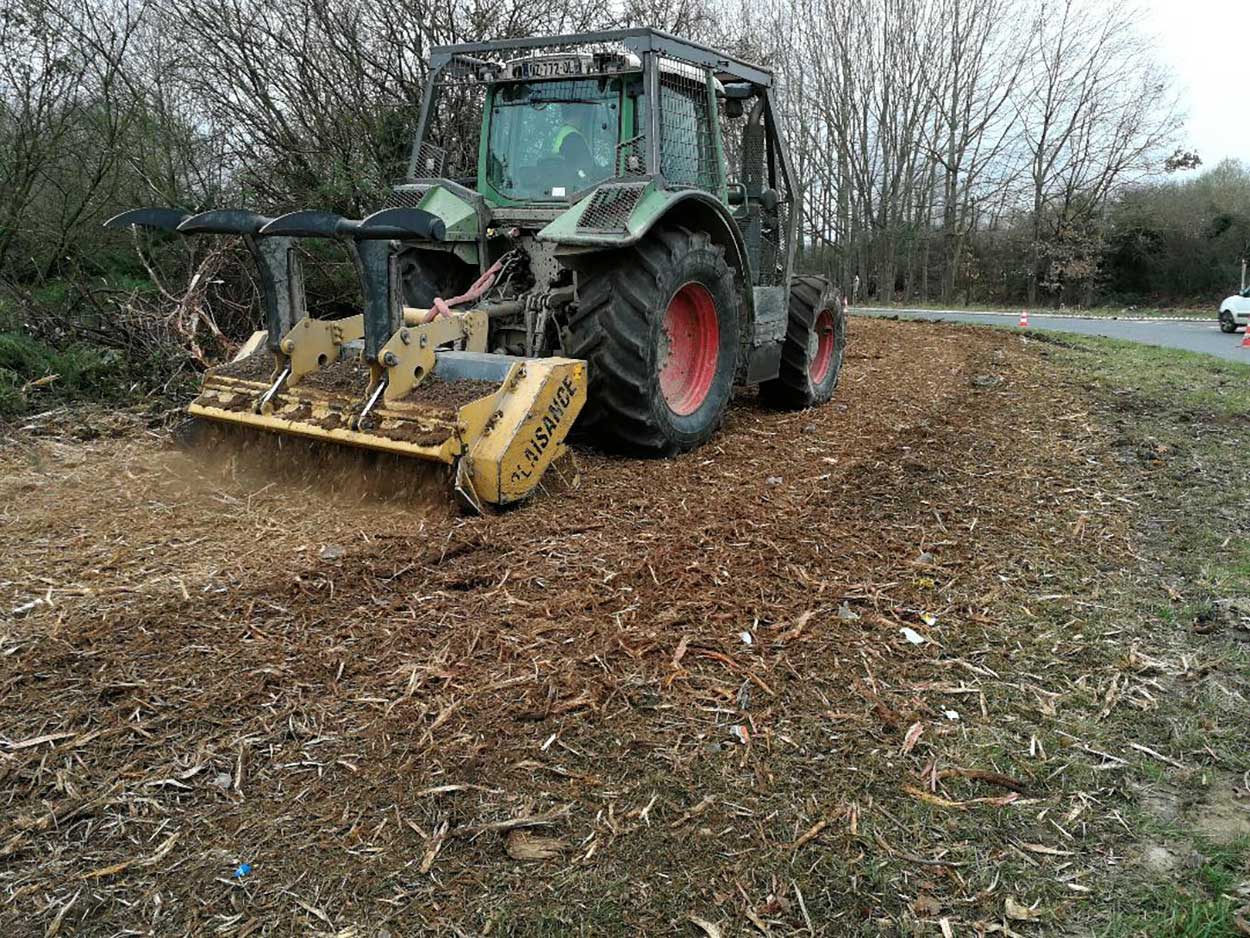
(1193, 335)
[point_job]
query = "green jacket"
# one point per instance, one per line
(563, 134)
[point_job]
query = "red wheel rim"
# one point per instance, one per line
(820, 347)
(690, 349)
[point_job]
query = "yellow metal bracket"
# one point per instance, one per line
(409, 354)
(314, 343)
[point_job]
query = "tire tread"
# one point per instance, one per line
(611, 330)
(792, 388)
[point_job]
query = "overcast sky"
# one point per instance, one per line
(1207, 44)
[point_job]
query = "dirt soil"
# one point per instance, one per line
(438, 394)
(241, 700)
(349, 380)
(256, 367)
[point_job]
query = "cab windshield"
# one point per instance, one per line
(549, 139)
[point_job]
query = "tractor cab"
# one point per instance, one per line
(554, 124)
(545, 139)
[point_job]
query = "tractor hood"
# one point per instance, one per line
(461, 210)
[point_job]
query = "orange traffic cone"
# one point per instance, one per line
(1245, 342)
(1024, 319)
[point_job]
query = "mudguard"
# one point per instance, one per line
(621, 212)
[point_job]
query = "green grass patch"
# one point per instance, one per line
(1203, 904)
(57, 350)
(58, 292)
(1183, 418)
(1233, 562)
(9, 319)
(1165, 379)
(1188, 914)
(33, 373)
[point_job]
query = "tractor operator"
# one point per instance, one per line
(570, 143)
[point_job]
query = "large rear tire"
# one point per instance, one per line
(811, 356)
(658, 324)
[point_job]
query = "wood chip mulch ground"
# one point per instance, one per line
(238, 700)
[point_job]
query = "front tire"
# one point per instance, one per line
(811, 355)
(1227, 323)
(658, 324)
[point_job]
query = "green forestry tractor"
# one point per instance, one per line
(597, 228)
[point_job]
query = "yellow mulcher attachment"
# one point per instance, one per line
(393, 378)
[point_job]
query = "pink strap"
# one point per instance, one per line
(441, 307)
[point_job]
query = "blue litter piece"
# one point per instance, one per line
(243, 870)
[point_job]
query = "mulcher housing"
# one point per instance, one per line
(603, 223)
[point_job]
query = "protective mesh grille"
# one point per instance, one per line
(631, 157)
(773, 242)
(406, 196)
(767, 231)
(611, 206)
(455, 125)
(687, 147)
(731, 129)
(751, 168)
(431, 162)
(780, 226)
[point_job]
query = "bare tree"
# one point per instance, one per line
(941, 146)
(971, 84)
(1096, 112)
